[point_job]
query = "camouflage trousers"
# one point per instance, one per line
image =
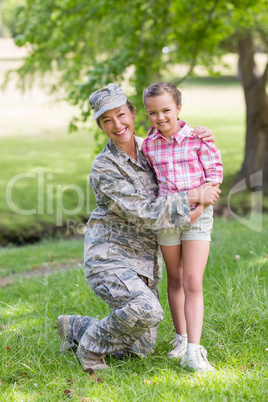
(132, 323)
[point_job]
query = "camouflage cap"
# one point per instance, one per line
(107, 98)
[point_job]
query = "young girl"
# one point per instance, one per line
(182, 162)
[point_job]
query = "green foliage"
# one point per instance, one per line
(9, 11)
(88, 44)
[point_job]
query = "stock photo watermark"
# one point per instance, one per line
(254, 221)
(50, 200)
(49, 196)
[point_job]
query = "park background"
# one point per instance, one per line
(48, 142)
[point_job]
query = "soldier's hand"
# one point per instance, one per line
(195, 213)
(203, 133)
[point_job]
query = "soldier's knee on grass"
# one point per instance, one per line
(140, 316)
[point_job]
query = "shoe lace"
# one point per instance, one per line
(203, 353)
(177, 341)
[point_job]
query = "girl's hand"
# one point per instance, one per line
(207, 193)
(203, 133)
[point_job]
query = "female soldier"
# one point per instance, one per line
(122, 259)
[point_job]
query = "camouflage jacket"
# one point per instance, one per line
(120, 231)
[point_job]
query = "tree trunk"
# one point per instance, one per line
(254, 85)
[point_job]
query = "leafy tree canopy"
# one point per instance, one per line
(87, 44)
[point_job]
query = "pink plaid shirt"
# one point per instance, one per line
(183, 162)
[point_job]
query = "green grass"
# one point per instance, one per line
(49, 253)
(235, 331)
(41, 170)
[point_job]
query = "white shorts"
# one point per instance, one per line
(201, 230)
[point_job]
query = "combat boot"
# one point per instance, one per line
(90, 360)
(63, 324)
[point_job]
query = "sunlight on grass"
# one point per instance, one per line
(15, 310)
(49, 253)
(20, 396)
(234, 332)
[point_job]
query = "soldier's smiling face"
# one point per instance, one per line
(118, 124)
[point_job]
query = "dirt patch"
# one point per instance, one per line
(41, 270)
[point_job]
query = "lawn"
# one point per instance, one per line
(49, 253)
(235, 331)
(45, 182)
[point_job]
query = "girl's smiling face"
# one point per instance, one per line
(163, 114)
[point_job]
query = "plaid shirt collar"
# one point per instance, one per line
(185, 131)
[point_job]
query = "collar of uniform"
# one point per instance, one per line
(118, 153)
(122, 157)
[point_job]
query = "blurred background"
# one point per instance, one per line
(54, 54)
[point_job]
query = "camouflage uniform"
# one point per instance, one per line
(122, 260)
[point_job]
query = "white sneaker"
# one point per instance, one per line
(196, 358)
(180, 346)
